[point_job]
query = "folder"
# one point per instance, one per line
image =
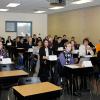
(97, 47)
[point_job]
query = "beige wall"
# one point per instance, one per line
(79, 23)
(39, 22)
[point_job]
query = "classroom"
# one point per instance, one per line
(49, 49)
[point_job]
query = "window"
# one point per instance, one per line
(20, 27)
(11, 26)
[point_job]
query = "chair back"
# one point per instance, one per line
(28, 80)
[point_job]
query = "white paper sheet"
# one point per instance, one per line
(6, 61)
(75, 51)
(60, 49)
(30, 50)
(33, 47)
(52, 57)
(8, 44)
(87, 64)
(1, 57)
(87, 56)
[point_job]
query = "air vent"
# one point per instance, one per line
(57, 2)
(60, 2)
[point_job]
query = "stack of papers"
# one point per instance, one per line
(30, 50)
(52, 57)
(8, 44)
(1, 57)
(32, 46)
(87, 56)
(87, 64)
(75, 51)
(60, 49)
(6, 61)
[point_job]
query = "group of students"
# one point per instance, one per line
(45, 47)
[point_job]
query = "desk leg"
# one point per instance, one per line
(28, 62)
(52, 64)
(50, 70)
(72, 84)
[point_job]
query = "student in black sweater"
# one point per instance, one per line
(44, 52)
(17, 44)
(34, 40)
(64, 40)
(28, 44)
(9, 43)
(57, 44)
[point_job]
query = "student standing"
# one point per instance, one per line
(44, 52)
(9, 46)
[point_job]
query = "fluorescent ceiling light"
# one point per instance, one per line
(57, 7)
(38, 12)
(13, 4)
(81, 1)
(3, 9)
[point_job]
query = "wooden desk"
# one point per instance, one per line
(20, 50)
(76, 66)
(77, 70)
(10, 78)
(14, 73)
(37, 91)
